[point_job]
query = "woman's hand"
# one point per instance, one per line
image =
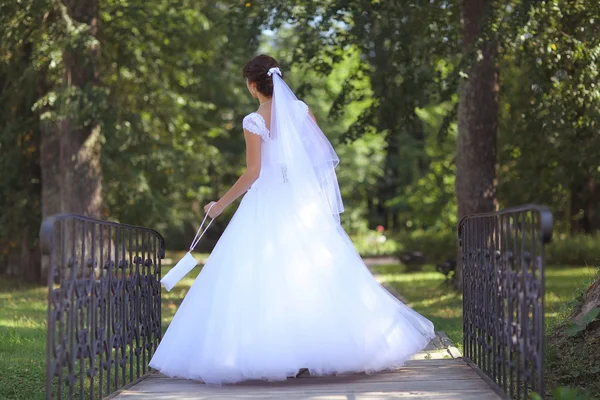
(215, 211)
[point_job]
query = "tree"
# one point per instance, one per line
(20, 180)
(550, 109)
(176, 103)
(71, 143)
(159, 132)
(70, 146)
(406, 48)
(477, 118)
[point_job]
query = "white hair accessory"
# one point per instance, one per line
(273, 71)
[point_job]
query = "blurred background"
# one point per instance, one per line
(153, 91)
(132, 111)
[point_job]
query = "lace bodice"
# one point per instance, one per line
(255, 123)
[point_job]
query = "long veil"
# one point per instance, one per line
(299, 149)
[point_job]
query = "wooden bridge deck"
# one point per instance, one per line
(437, 372)
(419, 379)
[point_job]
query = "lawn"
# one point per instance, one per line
(23, 312)
(22, 340)
(427, 293)
(23, 317)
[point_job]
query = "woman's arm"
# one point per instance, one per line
(253, 144)
(312, 116)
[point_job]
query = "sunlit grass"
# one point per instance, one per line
(22, 340)
(23, 332)
(428, 294)
(563, 284)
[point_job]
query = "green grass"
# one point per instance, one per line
(427, 293)
(22, 340)
(23, 314)
(569, 362)
(562, 286)
(572, 361)
(23, 317)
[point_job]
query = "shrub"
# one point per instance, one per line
(375, 243)
(574, 250)
(437, 246)
(566, 393)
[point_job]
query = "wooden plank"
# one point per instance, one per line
(443, 361)
(424, 379)
(409, 377)
(425, 395)
(165, 387)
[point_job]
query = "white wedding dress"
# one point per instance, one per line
(284, 289)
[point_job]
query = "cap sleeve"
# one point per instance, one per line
(302, 107)
(254, 123)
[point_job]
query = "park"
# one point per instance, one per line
(468, 134)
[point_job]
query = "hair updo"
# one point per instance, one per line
(256, 71)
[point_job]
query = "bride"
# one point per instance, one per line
(284, 290)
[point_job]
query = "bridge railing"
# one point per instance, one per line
(503, 295)
(104, 316)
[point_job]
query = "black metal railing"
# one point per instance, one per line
(104, 318)
(503, 295)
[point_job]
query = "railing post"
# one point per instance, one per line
(503, 295)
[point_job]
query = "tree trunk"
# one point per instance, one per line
(477, 120)
(584, 212)
(70, 153)
(80, 146)
(71, 172)
(591, 301)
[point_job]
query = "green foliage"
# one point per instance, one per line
(549, 100)
(21, 30)
(566, 393)
(361, 161)
(569, 361)
(374, 243)
(406, 71)
(436, 245)
(551, 109)
(177, 109)
(571, 355)
(579, 326)
(167, 100)
(574, 250)
(381, 78)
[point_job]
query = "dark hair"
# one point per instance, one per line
(256, 72)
